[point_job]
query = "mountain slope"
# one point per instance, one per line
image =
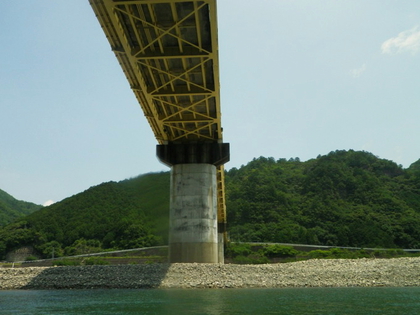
(344, 198)
(122, 215)
(151, 193)
(11, 208)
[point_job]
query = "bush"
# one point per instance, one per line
(67, 262)
(258, 259)
(238, 249)
(241, 260)
(363, 253)
(251, 259)
(244, 254)
(318, 254)
(389, 253)
(51, 249)
(333, 253)
(31, 258)
(95, 261)
(83, 246)
(279, 251)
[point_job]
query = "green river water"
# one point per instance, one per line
(214, 301)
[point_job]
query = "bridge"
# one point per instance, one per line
(168, 50)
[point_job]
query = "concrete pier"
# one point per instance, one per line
(193, 214)
(194, 232)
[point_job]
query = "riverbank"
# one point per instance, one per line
(396, 272)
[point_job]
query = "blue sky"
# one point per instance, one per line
(298, 79)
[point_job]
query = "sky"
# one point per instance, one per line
(299, 78)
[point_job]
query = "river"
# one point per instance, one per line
(289, 301)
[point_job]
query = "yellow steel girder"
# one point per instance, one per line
(168, 50)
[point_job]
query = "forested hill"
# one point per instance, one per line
(345, 198)
(11, 208)
(128, 214)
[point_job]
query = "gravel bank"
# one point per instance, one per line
(312, 273)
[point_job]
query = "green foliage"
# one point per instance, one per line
(345, 198)
(111, 214)
(16, 235)
(243, 253)
(11, 208)
(150, 192)
(67, 262)
(95, 261)
(251, 259)
(31, 258)
(337, 253)
(238, 249)
(389, 253)
(135, 236)
(261, 254)
(279, 251)
(2, 249)
(82, 246)
(51, 249)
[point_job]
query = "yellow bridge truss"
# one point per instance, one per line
(168, 50)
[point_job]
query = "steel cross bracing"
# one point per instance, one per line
(168, 50)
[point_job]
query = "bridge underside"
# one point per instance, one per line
(168, 51)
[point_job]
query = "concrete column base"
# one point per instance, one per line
(221, 248)
(193, 233)
(193, 253)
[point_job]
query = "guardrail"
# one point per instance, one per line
(309, 247)
(87, 255)
(326, 246)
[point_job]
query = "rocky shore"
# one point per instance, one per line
(311, 273)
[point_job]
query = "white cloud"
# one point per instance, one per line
(355, 73)
(407, 41)
(48, 203)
